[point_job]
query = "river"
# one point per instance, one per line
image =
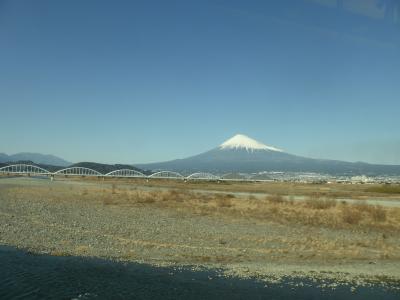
(25, 275)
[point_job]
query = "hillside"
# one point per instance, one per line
(46, 159)
(243, 154)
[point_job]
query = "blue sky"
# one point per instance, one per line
(143, 81)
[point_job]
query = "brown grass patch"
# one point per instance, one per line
(108, 201)
(385, 189)
(378, 214)
(320, 203)
(275, 199)
(225, 200)
(351, 215)
(317, 210)
(113, 189)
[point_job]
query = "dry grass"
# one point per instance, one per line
(376, 212)
(364, 231)
(331, 190)
(351, 215)
(113, 188)
(277, 199)
(315, 210)
(315, 202)
(385, 189)
(354, 214)
(225, 201)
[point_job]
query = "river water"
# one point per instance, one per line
(24, 275)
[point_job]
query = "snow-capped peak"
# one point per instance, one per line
(240, 141)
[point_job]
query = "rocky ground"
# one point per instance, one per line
(70, 218)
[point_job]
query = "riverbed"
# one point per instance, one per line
(78, 223)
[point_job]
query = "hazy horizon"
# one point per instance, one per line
(139, 162)
(140, 82)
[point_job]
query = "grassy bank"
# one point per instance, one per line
(314, 211)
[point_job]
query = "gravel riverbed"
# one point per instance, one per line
(67, 220)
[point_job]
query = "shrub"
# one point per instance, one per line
(113, 189)
(273, 210)
(362, 206)
(148, 200)
(378, 213)
(107, 201)
(351, 215)
(146, 197)
(252, 198)
(320, 203)
(229, 196)
(386, 189)
(224, 201)
(275, 199)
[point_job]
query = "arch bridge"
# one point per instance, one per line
(24, 169)
(236, 176)
(202, 176)
(78, 171)
(167, 174)
(125, 173)
(82, 171)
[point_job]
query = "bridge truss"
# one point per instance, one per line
(78, 171)
(125, 173)
(24, 169)
(82, 171)
(202, 176)
(167, 174)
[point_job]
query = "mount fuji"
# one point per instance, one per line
(244, 154)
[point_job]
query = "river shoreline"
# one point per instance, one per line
(68, 220)
(39, 276)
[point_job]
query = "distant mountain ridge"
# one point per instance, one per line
(239, 154)
(46, 159)
(243, 154)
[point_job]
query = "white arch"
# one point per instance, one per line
(125, 173)
(236, 176)
(24, 169)
(227, 175)
(78, 171)
(203, 175)
(259, 177)
(166, 174)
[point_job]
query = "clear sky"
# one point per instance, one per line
(142, 81)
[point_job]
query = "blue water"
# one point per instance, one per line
(28, 276)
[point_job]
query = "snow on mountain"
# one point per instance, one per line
(241, 154)
(241, 141)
